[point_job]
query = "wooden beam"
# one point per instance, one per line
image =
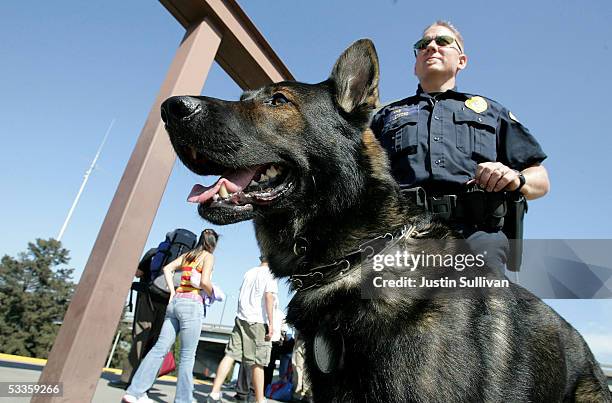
(244, 54)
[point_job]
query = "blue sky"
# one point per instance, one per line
(69, 68)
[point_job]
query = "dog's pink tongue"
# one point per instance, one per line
(234, 181)
(199, 193)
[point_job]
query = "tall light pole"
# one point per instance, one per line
(85, 179)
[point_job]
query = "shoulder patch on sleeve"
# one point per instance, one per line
(511, 115)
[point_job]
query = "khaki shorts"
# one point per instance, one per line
(247, 343)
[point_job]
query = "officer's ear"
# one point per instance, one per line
(463, 59)
(355, 78)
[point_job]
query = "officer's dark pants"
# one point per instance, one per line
(148, 321)
(493, 245)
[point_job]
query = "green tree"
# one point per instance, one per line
(34, 296)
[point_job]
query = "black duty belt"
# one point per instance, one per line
(474, 206)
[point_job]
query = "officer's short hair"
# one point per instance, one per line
(449, 25)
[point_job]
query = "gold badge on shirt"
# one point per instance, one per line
(477, 104)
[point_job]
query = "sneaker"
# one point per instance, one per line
(127, 398)
(211, 400)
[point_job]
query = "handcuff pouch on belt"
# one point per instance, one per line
(485, 210)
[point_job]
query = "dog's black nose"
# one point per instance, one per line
(178, 108)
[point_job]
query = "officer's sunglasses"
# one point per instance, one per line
(441, 40)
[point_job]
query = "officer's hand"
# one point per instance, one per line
(495, 177)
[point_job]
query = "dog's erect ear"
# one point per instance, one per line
(355, 76)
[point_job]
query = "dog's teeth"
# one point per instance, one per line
(263, 178)
(223, 191)
(194, 153)
(253, 183)
(215, 197)
(271, 172)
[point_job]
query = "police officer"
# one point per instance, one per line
(447, 142)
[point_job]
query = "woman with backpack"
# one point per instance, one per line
(184, 317)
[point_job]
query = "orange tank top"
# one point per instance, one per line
(185, 285)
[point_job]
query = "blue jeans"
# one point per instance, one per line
(183, 316)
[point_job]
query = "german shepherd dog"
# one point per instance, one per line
(301, 162)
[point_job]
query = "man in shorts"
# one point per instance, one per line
(250, 341)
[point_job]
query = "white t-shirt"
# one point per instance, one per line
(279, 322)
(251, 302)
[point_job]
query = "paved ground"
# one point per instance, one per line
(27, 370)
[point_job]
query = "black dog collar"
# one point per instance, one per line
(326, 274)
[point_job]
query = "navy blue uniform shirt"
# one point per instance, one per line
(436, 141)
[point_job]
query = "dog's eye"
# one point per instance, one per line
(277, 99)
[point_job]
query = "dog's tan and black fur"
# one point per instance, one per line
(335, 191)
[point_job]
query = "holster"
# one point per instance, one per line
(513, 228)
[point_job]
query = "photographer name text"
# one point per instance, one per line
(443, 282)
